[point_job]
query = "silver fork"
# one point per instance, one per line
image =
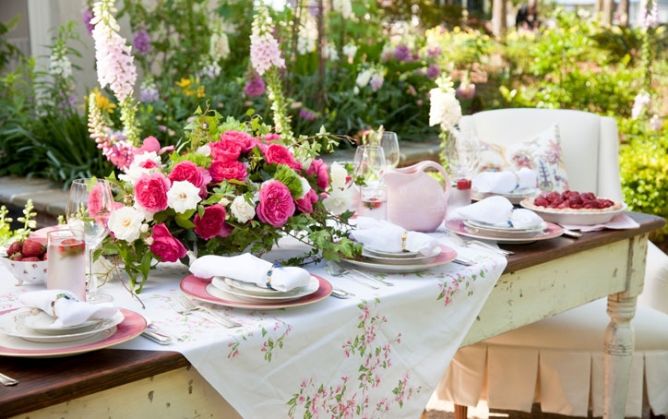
(489, 247)
(189, 306)
(336, 270)
(7, 381)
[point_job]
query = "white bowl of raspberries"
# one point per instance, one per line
(26, 261)
(571, 207)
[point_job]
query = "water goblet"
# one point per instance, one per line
(88, 207)
(390, 144)
(370, 165)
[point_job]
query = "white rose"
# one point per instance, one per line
(137, 169)
(339, 201)
(305, 187)
(338, 176)
(204, 150)
(126, 223)
(242, 210)
(445, 108)
(183, 196)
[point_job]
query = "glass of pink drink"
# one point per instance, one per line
(67, 263)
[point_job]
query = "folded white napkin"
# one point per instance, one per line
(386, 237)
(498, 211)
(66, 306)
(618, 222)
(248, 268)
(505, 181)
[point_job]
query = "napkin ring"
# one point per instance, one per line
(58, 297)
(404, 238)
(270, 272)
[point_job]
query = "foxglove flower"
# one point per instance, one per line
(344, 7)
(87, 17)
(402, 53)
(350, 50)
(640, 103)
(433, 71)
(308, 34)
(265, 51)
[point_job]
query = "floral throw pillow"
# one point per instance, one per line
(541, 153)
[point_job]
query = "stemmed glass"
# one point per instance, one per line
(370, 165)
(88, 207)
(390, 144)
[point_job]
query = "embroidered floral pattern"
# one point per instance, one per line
(352, 397)
(456, 282)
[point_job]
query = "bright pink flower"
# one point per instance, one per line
(188, 171)
(272, 137)
(212, 223)
(228, 169)
(276, 205)
(320, 170)
(150, 144)
(151, 192)
(279, 154)
(246, 141)
(225, 150)
(305, 204)
(165, 246)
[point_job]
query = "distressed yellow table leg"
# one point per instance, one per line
(619, 335)
(181, 393)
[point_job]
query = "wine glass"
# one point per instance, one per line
(390, 143)
(88, 207)
(370, 165)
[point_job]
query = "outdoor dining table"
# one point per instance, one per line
(539, 280)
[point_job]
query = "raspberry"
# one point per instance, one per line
(541, 201)
(552, 196)
(588, 196)
(574, 200)
(33, 248)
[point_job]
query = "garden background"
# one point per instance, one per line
(350, 66)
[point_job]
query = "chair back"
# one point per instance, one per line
(590, 144)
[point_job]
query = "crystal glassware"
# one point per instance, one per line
(88, 207)
(67, 265)
(390, 144)
(370, 165)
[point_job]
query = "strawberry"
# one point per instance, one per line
(541, 201)
(552, 196)
(31, 259)
(588, 196)
(14, 248)
(71, 247)
(16, 256)
(33, 248)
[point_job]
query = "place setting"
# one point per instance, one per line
(515, 186)
(246, 281)
(55, 323)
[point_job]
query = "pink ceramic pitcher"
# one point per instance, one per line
(415, 200)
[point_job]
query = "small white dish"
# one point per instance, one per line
(13, 324)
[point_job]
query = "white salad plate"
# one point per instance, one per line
(398, 260)
(447, 255)
(13, 324)
(382, 253)
(251, 292)
(514, 197)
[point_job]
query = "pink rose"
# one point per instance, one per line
(305, 204)
(279, 154)
(165, 247)
(226, 170)
(225, 150)
(188, 171)
(319, 169)
(151, 192)
(148, 164)
(276, 205)
(246, 141)
(150, 144)
(212, 223)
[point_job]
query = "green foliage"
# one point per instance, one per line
(8, 51)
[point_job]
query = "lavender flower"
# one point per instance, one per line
(142, 42)
(402, 53)
(86, 17)
(148, 93)
(255, 86)
(115, 63)
(376, 81)
(433, 71)
(307, 114)
(434, 52)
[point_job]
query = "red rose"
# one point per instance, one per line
(244, 140)
(188, 171)
(165, 247)
(212, 223)
(226, 170)
(305, 204)
(279, 154)
(151, 192)
(319, 168)
(225, 150)
(276, 205)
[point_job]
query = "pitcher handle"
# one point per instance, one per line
(428, 164)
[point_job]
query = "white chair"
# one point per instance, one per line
(558, 362)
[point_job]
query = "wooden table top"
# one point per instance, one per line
(45, 382)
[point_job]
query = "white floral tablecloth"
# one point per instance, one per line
(378, 354)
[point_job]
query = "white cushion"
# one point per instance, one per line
(655, 292)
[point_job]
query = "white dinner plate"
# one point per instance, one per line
(247, 292)
(13, 324)
(419, 258)
(447, 255)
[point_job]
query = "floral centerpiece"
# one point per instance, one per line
(229, 186)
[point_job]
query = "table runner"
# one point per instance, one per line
(379, 353)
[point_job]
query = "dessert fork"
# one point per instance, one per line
(189, 306)
(7, 381)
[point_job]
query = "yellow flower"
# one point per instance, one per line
(184, 83)
(102, 102)
(200, 91)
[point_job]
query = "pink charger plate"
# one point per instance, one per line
(196, 288)
(132, 326)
